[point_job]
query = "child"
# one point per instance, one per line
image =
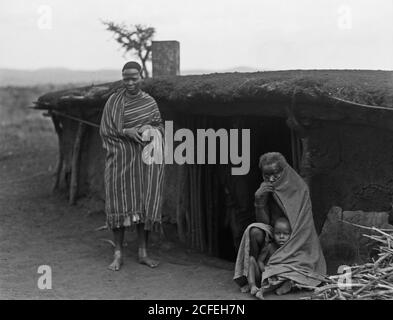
(281, 234)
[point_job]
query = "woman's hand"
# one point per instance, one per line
(133, 134)
(261, 194)
(144, 128)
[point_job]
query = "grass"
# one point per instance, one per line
(361, 86)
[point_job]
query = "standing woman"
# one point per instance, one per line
(133, 189)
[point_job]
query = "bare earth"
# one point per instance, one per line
(40, 228)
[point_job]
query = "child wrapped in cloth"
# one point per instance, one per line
(283, 193)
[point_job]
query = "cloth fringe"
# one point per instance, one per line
(130, 220)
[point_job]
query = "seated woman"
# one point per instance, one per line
(283, 193)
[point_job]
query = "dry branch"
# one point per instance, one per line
(368, 281)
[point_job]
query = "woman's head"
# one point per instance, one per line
(132, 78)
(272, 165)
(282, 231)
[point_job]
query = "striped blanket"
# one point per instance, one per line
(133, 189)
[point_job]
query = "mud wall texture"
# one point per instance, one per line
(351, 167)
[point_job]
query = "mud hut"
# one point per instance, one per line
(334, 127)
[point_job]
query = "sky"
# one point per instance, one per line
(213, 34)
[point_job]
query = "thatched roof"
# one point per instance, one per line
(333, 88)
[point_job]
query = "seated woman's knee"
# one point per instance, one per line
(256, 234)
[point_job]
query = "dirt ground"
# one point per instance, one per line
(41, 228)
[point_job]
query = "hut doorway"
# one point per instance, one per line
(214, 206)
(237, 192)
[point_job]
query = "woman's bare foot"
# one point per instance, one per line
(117, 261)
(284, 288)
(147, 261)
(254, 289)
(245, 288)
(259, 295)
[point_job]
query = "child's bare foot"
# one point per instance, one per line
(273, 281)
(147, 261)
(254, 289)
(117, 261)
(284, 288)
(259, 295)
(245, 289)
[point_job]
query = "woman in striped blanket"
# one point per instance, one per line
(133, 186)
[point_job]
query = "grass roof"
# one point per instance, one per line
(374, 88)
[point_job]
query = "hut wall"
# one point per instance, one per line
(352, 167)
(67, 138)
(91, 176)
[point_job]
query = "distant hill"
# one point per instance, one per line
(205, 71)
(61, 76)
(11, 77)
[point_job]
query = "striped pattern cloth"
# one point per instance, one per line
(133, 189)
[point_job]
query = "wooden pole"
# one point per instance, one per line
(197, 208)
(295, 163)
(305, 163)
(216, 217)
(75, 163)
(180, 205)
(60, 159)
(202, 214)
(187, 203)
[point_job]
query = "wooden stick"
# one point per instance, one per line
(187, 204)
(375, 294)
(202, 214)
(294, 151)
(60, 160)
(180, 212)
(305, 287)
(75, 163)
(196, 208)
(336, 286)
(209, 213)
(105, 227)
(216, 217)
(368, 228)
(384, 257)
(192, 205)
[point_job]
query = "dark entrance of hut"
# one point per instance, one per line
(236, 210)
(218, 206)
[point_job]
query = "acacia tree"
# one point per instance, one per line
(136, 39)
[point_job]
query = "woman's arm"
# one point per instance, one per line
(262, 213)
(262, 257)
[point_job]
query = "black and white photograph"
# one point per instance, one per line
(223, 152)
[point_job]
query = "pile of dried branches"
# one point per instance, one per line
(368, 281)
